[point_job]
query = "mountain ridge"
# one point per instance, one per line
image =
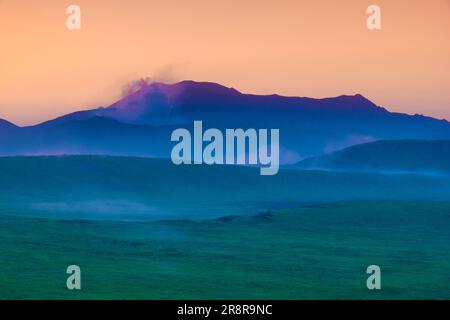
(141, 122)
(172, 90)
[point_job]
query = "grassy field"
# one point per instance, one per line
(145, 229)
(314, 252)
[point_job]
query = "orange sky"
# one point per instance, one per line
(310, 48)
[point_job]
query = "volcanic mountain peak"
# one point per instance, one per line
(141, 122)
(182, 86)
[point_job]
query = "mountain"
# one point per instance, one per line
(141, 122)
(96, 136)
(6, 124)
(407, 156)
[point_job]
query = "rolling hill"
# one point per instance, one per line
(399, 156)
(127, 187)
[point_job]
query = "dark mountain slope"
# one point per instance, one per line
(387, 156)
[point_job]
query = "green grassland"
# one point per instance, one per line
(146, 229)
(314, 252)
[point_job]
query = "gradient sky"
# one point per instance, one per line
(317, 48)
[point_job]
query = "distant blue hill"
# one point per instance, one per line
(5, 125)
(105, 186)
(141, 123)
(408, 156)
